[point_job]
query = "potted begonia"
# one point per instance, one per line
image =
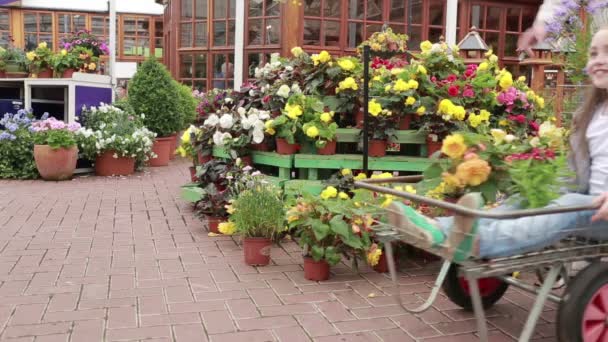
(55, 149)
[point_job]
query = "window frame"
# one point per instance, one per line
(121, 36)
(53, 31)
(10, 34)
(193, 21)
(264, 18)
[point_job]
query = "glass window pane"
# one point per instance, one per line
(416, 12)
(186, 35)
(46, 23)
(528, 15)
(158, 47)
(332, 9)
(491, 39)
(98, 25)
(493, 18)
(355, 34)
(65, 24)
(128, 27)
(30, 22)
(476, 16)
(253, 61)
(200, 66)
(200, 36)
(158, 28)
(255, 31)
(185, 67)
(435, 33)
(200, 85)
(436, 13)
(373, 28)
(397, 10)
(80, 22)
(219, 65)
(374, 10)
(4, 21)
(143, 47)
(129, 46)
(186, 9)
(312, 32)
(4, 39)
(331, 31)
(513, 19)
(219, 33)
(232, 9)
(255, 8)
(201, 9)
(356, 9)
(31, 41)
(219, 9)
(415, 38)
(143, 27)
(273, 27)
(231, 32)
(511, 44)
(312, 8)
(273, 8)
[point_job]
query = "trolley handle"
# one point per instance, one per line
(370, 184)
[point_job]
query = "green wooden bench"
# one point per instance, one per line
(284, 163)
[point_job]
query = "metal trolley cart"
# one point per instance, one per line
(478, 284)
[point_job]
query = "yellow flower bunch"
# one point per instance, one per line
(343, 195)
(297, 51)
(505, 79)
(421, 110)
(327, 117)
(293, 111)
(346, 172)
(346, 64)
(31, 55)
(407, 188)
(373, 256)
(477, 119)
(410, 101)
(374, 108)
(329, 192)
(361, 176)
(42, 45)
(227, 228)
(453, 146)
(312, 132)
(421, 70)
(383, 175)
(426, 46)
(473, 171)
(269, 128)
(448, 110)
(347, 83)
(321, 58)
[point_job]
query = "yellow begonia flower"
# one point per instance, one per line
(388, 199)
(374, 108)
(540, 102)
(445, 106)
(373, 257)
(292, 218)
(453, 146)
(268, 124)
(346, 172)
(473, 172)
(498, 135)
(226, 228)
(422, 70)
(383, 175)
(474, 120)
(30, 55)
(293, 111)
(348, 83)
(42, 45)
(410, 100)
(329, 192)
(64, 52)
(413, 84)
(459, 112)
(361, 176)
(506, 81)
(421, 110)
(270, 131)
(346, 64)
(92, 66)
(324, 57)
(503, 122)
(493, 58)
(376, 47)
(410, 189)
(489, 53)
(483, 66)
(181, 151)
(426, 46)
(396, 71)
(484, 114)
(325, 117)
(401, 85)
(521, 78)
(343, 195)
(297, 51)
(186, 137)
(312, 132)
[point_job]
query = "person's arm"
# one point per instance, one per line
(602, 212)
(537, 32)
(545, 12)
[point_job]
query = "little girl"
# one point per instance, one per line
(489, 238)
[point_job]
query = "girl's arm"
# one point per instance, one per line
(545, 12)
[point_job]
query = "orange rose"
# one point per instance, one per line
(473, 171)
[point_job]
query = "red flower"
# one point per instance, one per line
(266, 99)
(534, 125)
(517, 118)
(469, 73)
(453, 91)
(452, 78)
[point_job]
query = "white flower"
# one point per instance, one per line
(264, 115)
(242, 111)
(211, 121)
(296, 88)
(510, 138)
(226, 121)
(451, 58)
(535, 142)
(115, 156)
(228, 100)
(289, 68)
(258, 136)
(283, 91)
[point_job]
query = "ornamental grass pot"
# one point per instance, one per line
(68, 73)
(55, 164)
(377, 148)
(213, 222)
(405, 122)
(432, 146)
(162, 149)
(107, 165)
(257, 251)
(283, 147)
(193, 177)
(316, 270)
(329, 149)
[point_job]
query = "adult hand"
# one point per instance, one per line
(531, 37)
(602, 212)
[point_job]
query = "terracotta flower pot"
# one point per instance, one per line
(213, 223)
(329, 149)
(107, 165)
(68, 73)
(3, 74)
(263, 147)
(283, 147)
(55, 165)
(432, 146)
(247, 160)
(44, 73)
(359, 118)
(315, 270)
(405, 121)
(162, 149)
(203, 159)
(173, 146)
(257, 251)
(377, 148)
(193, 177)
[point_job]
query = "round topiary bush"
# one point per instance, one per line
(187, 105)
(154, 93)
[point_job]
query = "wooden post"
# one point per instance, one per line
(292, 26)
(538, 78)
(559, 95)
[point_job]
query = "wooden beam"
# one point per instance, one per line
(292, 26)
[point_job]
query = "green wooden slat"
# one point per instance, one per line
(298, 186)
(403, 137)
(355, 161)
(263, 158)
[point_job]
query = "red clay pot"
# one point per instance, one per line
(328, 150)
(173, 147)
(405, 121)
(68, 73)
(203, 159)
(257, 251)
(107, 165)
(55, 165)
(2, 74)
(283, 147)
(213, 223)
(162, 148)
(315, 270)
(432, 146)
(193, 177)
(263, 147)
(377, 148)
(44, 73)
(247, 160)
(359, 118)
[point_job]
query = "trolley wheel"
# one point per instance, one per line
(583, 313)
(456, 288)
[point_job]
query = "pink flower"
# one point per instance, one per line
(469, 73)
(517, 118)
(534, 125)
(453, 91)
(469, 92)
(452, 78)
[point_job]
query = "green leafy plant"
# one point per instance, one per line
(321, 129)
(187, 105)
(259, 212)
(64, 60)
(152, 91)
(17, 147)
(15, 56)
(299, 110)
(211, 195)
(40, 58)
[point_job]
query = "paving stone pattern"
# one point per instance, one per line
(124, 259)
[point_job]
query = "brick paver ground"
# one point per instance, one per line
(124, 259)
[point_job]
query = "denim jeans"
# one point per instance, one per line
(501, 238)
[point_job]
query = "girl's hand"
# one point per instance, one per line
(602, 212)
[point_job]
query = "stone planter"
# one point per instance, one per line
(257, 251)
(107, 165)
(315, 270)
(162, 149)
(55, 164)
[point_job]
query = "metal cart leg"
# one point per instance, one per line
(539, 303)
(480, 316)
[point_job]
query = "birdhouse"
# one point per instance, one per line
(473, 47)
(542, 55)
